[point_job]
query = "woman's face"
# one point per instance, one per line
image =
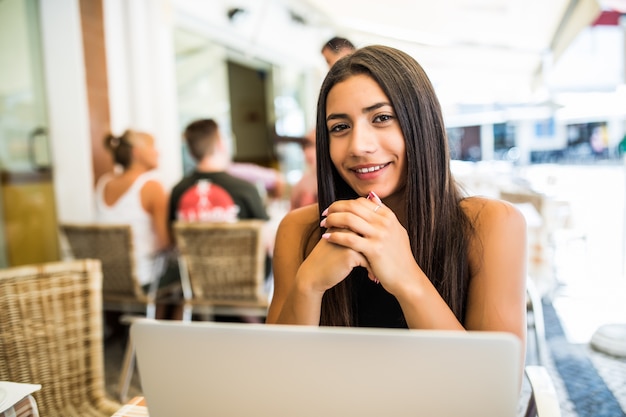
(145, 152)
(366, 143)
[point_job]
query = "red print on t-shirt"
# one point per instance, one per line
(206, 202)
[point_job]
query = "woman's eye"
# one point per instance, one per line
(338, 127)
(383, 118)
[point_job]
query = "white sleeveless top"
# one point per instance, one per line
(128, 210)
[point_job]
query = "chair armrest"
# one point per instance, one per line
(543, 398)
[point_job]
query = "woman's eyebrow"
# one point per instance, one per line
(375, 106)
(365, 110)
(334, 116)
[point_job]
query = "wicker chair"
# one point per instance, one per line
(222, 268)
(51, 334)
(112, 244)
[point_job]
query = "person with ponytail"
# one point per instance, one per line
(134, 195)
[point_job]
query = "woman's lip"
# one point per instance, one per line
(369, 172)
(369, 168)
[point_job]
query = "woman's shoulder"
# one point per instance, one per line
(104, 179)
(301, 218)
(151, 176)
(296, 230)
(150, 187)
(486, 212)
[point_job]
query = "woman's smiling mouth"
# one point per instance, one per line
(367, 170)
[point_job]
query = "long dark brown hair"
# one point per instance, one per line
(437, 226)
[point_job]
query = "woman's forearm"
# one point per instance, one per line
(302, 306)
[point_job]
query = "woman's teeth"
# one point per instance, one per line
(370, 169)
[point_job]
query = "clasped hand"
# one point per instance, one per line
(360, 234)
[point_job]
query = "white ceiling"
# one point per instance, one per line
(487, 50)
(475, 51)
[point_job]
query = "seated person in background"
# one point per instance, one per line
(422, 256)
(136, 196)
(210, 193)
(304, 192)
(270, 181)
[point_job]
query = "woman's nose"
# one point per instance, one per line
(363, 139)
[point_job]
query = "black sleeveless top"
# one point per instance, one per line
(373, 306)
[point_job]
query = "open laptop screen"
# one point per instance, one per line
(235, 369)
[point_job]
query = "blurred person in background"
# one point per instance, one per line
(304, 192)
(210, 192)
(270, 182)
(133, 194)
(335, 49)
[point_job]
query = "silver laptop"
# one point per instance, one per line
(256, 370)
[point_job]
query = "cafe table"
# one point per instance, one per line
(16, 399)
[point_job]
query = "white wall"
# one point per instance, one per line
(142, 92)
(67, 109)
(593, 62)
(142, 79)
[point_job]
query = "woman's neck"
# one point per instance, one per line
(135, 170)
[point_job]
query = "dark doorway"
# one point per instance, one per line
(249, 115)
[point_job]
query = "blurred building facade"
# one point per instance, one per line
(74, 70)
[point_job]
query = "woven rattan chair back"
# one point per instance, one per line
(112, 244)
(222, 264)
(51, 334)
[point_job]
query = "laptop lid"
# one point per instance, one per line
(237, 369)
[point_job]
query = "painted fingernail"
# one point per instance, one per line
(323, 223)
(326, 235)
(325, 212)
(372, 196)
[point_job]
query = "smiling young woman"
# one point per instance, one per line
(393, 242)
